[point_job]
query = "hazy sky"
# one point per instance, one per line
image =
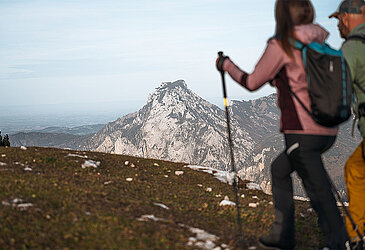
(93, 51)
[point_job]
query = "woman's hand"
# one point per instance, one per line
(220, 60)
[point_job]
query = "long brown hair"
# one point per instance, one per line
(289, 13)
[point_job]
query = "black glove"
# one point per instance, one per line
(220, 60)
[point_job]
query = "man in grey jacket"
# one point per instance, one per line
(351, 24)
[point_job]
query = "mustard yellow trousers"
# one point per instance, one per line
(355, 183)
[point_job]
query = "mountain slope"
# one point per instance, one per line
(175, 124)
(48, 200)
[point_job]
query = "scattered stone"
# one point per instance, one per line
(90, 163)
(161, 205)
(179, 173)
(218, 195)
(24, 206)
(166, 176)
(23, 148)
(156, 164)
(209, 190)
(227, 202)
(252, 205)
(17, 203)
(255, 197)
(5, 203)
(252, 248)
(242, 196)
(2, 164)
(132, 165)
(253, 186)
(108, 182)
(27, 169)
(126, 163)
(3, 155)
(302, 215)
(129, 179)
(310, 210)
(271, 203)
(48, 217)
(199, 185)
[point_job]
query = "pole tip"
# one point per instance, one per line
(220, 53)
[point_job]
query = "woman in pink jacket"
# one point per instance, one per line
(305, 140)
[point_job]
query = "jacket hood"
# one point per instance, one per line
(308, 33)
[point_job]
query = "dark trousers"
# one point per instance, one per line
(303, 155)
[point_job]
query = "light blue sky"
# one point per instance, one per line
(89, 51)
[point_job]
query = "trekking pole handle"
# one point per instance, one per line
(221, 54)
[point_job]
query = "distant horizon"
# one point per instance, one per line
(26, 118)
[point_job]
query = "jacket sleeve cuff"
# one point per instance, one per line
(235, 72)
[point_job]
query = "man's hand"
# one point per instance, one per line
(220, 60)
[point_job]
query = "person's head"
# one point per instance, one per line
(289, 13)
(350, 14)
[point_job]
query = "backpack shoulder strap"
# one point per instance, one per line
(279, 75)
(356, 37)
(359, 86)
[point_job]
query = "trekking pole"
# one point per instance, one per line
(339, 198)
(230, 144)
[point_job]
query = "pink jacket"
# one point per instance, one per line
(294, 119)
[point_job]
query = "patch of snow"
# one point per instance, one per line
(2, 164)
(166, 176)
(156, 164)
(202, 239)
(148, 217)
(126, 163)
(271, 203)
(75, 155)
(209, 189)
(108, 182)
(298, 198)
(255, 197)
(27, 169)
(23, 148)
(161, 205)
(129, 179)
(223, 176)
(3, 155)
(179, 173)
(132, 165)
(90, 163)
(242, 196)
(339, 204)
(253, 186)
